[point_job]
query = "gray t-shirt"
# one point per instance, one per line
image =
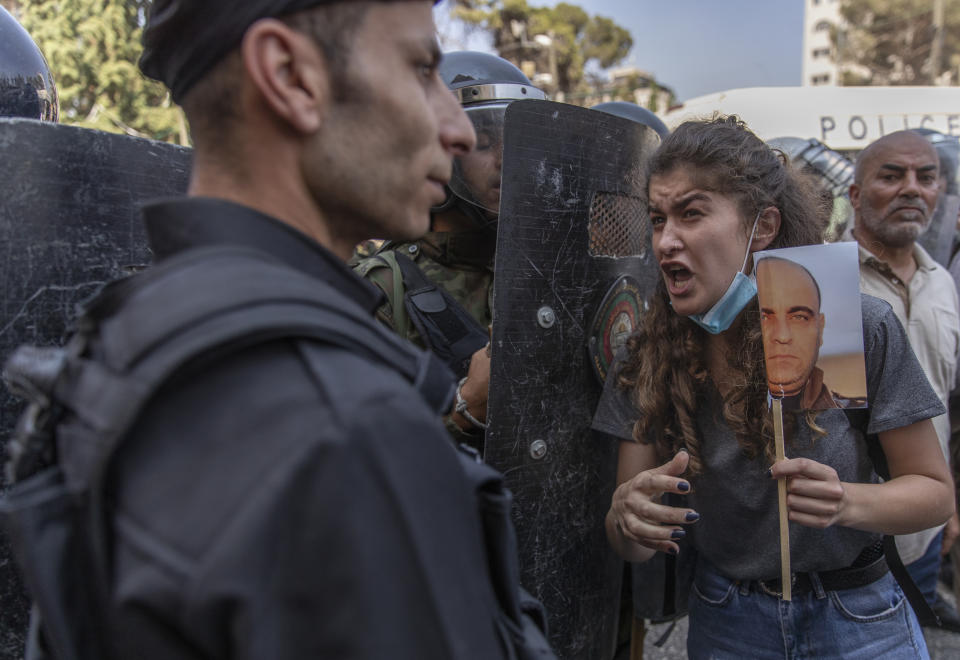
(738, 530)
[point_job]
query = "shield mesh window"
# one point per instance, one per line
(619, 226)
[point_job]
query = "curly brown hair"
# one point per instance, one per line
(665, 369)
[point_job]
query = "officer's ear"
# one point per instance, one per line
(288, 73)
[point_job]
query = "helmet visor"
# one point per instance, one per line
(476, 175)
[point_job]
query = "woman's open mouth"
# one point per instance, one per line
(678, 279)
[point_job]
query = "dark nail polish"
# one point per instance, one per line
(677, 534)
(672, 551)
(684, 486)
(692, 516)
(770, 472)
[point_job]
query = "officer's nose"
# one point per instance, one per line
(456, 131)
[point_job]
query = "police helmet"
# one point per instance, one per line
(834, 171)
(634, 112)
(26, 85)
(485, 85)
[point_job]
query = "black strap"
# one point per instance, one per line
(670, 586)
(445, 326)
(859, 419)
(218, 300)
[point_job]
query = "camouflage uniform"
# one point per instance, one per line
(461, 263)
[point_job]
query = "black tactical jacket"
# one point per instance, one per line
(294, 500)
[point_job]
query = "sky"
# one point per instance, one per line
(697, 47)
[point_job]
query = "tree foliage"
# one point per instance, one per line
(891, 42)
(92, 47)
(562, 39)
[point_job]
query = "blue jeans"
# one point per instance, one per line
(926, 570)
(730, 621)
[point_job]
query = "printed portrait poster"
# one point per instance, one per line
(810, 316)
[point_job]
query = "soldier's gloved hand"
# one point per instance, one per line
(638, 514)
(475, 389)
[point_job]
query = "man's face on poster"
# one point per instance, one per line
(791, 323)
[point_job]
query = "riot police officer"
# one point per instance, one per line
(832, 174)
(27, 88)
(439, 289)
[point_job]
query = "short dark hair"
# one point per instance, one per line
(332, 28)
(212, 104)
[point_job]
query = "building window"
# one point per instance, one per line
(821, 52)
(822, 26)
(820, 79)
(815, 2)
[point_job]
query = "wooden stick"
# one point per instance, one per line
(782, 497)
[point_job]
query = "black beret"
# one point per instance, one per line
(183, 39)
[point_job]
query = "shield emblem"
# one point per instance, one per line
(615, 320)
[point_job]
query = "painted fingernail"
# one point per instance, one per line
(684, 486)
(692, 516)
(677, 534)
(673, 551)
(770, 472)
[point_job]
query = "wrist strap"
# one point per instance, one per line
(461, 406)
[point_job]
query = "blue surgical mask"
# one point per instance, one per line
(740, 292)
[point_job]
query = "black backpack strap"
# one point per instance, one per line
(218, 300)
(445, 326)
(859, 419)
(524, 622)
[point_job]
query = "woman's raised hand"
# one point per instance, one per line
(639, 517)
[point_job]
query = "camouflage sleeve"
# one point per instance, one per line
(381, 271)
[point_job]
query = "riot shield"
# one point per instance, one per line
(69, 222)
(938, 239)
(573, 267)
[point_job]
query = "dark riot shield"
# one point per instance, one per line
(69, 222)
(938, 239)
(573, 266)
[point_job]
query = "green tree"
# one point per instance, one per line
(652, 104)
(561, 40)
(92, 47)
(895, 42)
